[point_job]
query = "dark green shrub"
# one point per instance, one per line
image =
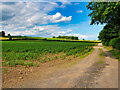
(115, 43)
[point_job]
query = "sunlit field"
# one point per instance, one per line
(30, 53)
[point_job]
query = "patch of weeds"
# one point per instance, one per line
(100, 62)
(48, 59)
(35, 64)
(63, 57)
(101, 55)
(74, 56)
(38, 59)
(5, 70)
(101, 52)
(67, 54)
(28, 64)
(55, 57)
(21, 62)
(69, 59)
(10, 63)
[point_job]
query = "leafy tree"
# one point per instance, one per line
(109, 13)
(72, 37)
(9, 35)
(59, 36)
(68, 37)
(109, 32)
(2, 34)
(115, 43)
(45, 39)
(104, 12)
(53, 36)
(75, 38)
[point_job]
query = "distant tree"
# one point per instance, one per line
(53, 36)
(59, 36)
(83, 39)
(72, 37)
(45, 39)
(76, 38)
(2, 33)
(68, 37)
(9, 35)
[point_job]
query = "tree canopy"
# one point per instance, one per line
(104, 12)
(68, 37)
(2, 34)
(109, 32)
(108, 13)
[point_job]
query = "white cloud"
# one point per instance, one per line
(61, 33)
(57, 15)
(45, 19)
(76, 3)
(59, 18)
(81, 36)
(36, 30)
(80, 11)
(68, 31)
(64, 3)
(28, 17)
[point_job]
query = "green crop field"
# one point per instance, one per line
(31, 52)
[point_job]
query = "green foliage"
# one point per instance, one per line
(115, 52)
(35, 64)
(115, 43)
(53, 36)
(68, 37)
(63, 57)
(106, 12)
(2, 34)
(101, 52)
(109, 32)
(9, 35)
(5, 70)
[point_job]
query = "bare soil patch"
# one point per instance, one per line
(19, 74)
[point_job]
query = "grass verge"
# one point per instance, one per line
(101, 55)
(115, 52)
(101, 52)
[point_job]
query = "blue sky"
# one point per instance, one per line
(47, 19)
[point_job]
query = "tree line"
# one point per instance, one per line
(2, 34)
(67, 37)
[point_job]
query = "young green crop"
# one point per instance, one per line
(26, 52)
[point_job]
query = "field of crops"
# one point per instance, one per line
(30, 53)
